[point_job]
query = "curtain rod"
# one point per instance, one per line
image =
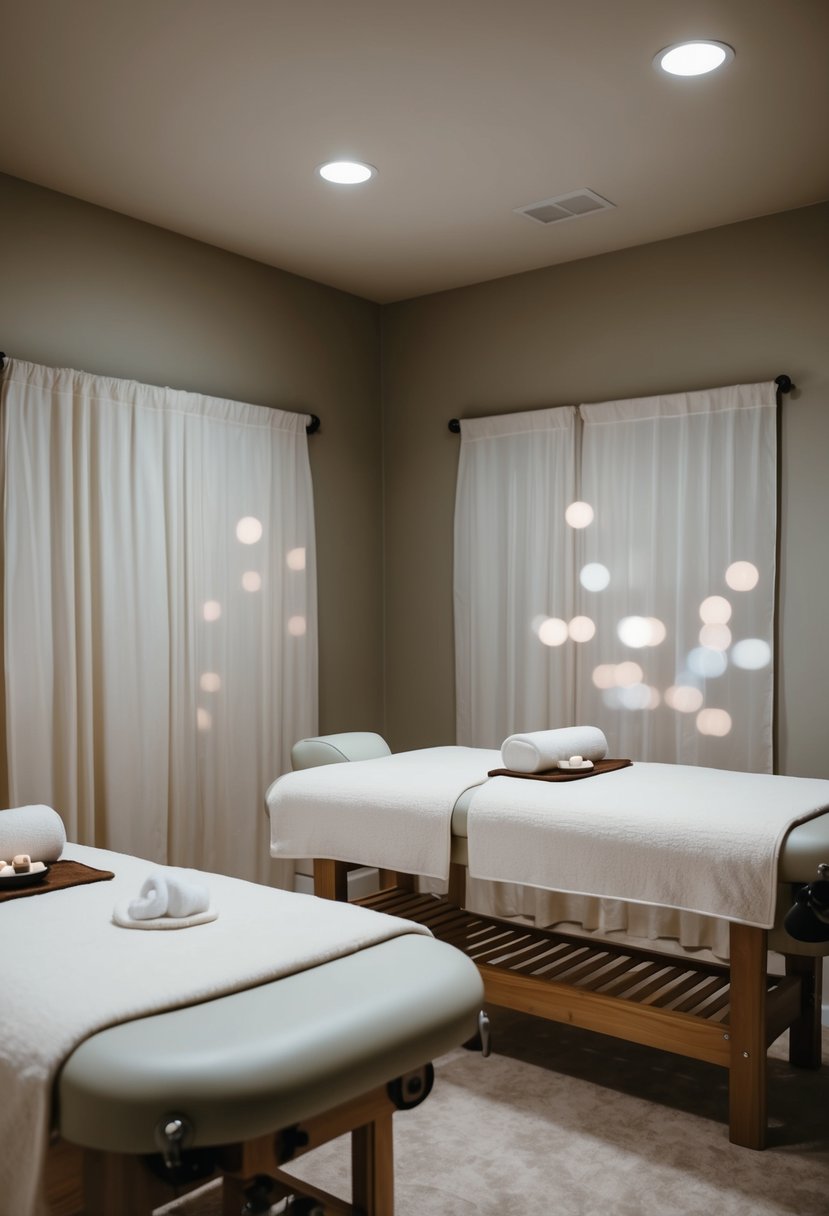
(784, 385)
(311, 429)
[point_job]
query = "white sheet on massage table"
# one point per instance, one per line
(699, 839)
(66, 972)
(394, 812)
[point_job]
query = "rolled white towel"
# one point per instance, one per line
(186, 896)
(36, 830)
(536, 751)
(152, 899)
(173, 895)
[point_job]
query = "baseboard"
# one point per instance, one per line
(362, 882)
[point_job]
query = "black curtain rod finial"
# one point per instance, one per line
(454, 426)
(2, 359)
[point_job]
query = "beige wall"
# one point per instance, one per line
(732, 305)
(83, 287)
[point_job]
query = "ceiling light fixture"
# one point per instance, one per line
(693, 58)
(346, 172)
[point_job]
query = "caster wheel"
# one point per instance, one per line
(305, 1207)
(258, 1197)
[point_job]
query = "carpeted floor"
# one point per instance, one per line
(560, 1122)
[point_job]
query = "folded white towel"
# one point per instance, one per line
(122, 918)
(36, 830)
(174, 896)
(536, 751)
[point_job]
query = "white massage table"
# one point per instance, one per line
(244, 1084)
(240, 1085)
(725, 1015)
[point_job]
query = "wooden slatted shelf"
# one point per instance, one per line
(661, 1000)
(706, 1011)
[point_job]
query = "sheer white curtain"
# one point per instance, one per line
(683, 489)
(513, 572)
(160, 612)
(647, 611)
(513, 576)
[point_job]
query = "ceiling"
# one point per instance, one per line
(209, 117)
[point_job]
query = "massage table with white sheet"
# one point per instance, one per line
(724, 1014)
(151, 1060)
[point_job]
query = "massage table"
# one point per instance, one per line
(238, 1086)
(727, 1015)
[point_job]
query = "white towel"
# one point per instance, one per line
(699, 839)
(122, 918)
(542, 749)
(173, 900)
(169, 895)
(36, 830)
(394, 812)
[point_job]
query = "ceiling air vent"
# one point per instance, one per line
(565, 207)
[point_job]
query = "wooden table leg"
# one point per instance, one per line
(747, 1079)
(115, 1182)
(331, 879)
(394, 878)
(372, 1168)
(233, 1196)
(457, 884)
(805, 1033)
(63, 1179)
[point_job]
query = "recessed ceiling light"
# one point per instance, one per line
(693, 58)
(346, 172)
